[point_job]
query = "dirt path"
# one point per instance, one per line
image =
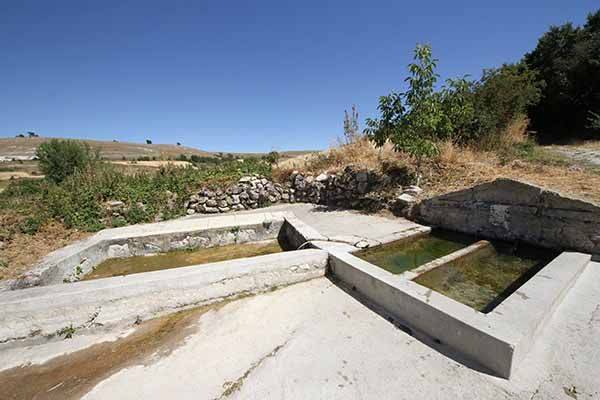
(586, 153)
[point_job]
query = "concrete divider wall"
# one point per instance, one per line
(38, 314)
(512, 210)
(424, 310)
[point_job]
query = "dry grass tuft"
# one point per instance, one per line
(516, 132)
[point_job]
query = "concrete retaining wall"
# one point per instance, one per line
(37, 314)
(511, 210)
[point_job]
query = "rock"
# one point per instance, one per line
(236, 190)
(224, 209)
(412, 190)
(322, 178)
(211, 203)
(191, 211)
(406, 199)
(114, 204)
(245, 179)
(210, 210)
(194, 198)
(202, 200)
(235, 199)
(362, 176)
(362, 187)
(362, 244)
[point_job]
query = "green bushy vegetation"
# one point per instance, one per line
(475, 113)
(567, 62)
(79, 199)
(61, 158)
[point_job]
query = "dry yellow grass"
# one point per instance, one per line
(459, 167)
(22, 251)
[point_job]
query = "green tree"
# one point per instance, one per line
(567, 59)
(61, 158)
(502, 95)
(415, 120)
(272, 158)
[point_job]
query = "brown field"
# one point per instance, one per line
(10, 147)
(108, 150)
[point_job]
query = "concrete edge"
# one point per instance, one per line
(452, 324)
(530, 308)
(36, 315)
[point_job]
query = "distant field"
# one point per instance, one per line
(19, 147)
(25, 147)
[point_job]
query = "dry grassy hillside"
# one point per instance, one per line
(25, 147)
(10, 147)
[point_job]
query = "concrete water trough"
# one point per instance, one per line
(58, 301)
(495, 341)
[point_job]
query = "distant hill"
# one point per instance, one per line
(23, 148)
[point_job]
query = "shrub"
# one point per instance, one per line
(60, 158)
(272, 158)
(502, 96)
(415, 120)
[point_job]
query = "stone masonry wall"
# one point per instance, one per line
(352, 188)
(513, 210)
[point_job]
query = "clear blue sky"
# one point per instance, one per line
(239, 75)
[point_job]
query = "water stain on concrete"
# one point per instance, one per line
(72, 375)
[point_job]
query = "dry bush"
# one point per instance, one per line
(450, 152)
(361, 153)
(516, 131)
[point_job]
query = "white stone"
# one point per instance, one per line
(413, 190)
(322, 178)
(406, 199)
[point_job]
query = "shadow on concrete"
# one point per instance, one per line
(427, 340)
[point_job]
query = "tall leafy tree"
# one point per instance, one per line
(415, 120)
(567, 59)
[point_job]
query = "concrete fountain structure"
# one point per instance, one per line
(497, 341)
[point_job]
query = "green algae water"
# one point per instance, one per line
(403, 255)
(181, 258)
(483, 279)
